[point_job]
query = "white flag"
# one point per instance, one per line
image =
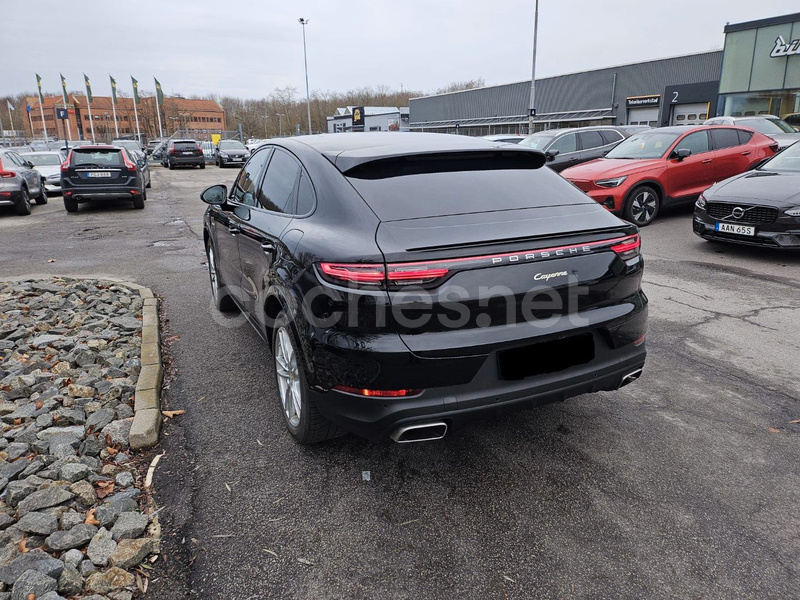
(9, 105)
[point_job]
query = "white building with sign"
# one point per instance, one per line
(376, 118)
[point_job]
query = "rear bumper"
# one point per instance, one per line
(186, 160)
(458, 389)
(784, 233)
(484, 397)
(85, 193)
(9, 196)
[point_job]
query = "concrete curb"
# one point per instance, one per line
(147, 397)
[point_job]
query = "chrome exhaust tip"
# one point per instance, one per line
(631, 377)
(421, 432)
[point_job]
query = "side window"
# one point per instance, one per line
(16, 159)
(744, 136)
(305, 195)
(610, 136)
(279, 191)
(564, 144)
(590, 139)
(697, 142)
(244, 189)
(724, 138)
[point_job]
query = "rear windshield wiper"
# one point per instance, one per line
(88, 165)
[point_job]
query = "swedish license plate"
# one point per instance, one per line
(99, 174)
(735, 229)
(190, 152)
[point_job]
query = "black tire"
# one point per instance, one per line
(220, 164)
(70, 204)
(23, 206)
(170, 166)
(222, 300)
(42, 197)
(642, 205)
(138, 202)
(149, 184)
(310, 426)
(144, 194)
(202, 165)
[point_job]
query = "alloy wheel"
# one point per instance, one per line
(643, 207)
(288, 374)
(212, 271)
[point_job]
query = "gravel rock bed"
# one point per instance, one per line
(70, 519)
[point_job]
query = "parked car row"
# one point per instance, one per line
(634, 172)
(86, 173)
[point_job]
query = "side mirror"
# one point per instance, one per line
(29, 164)
(682, 153)
(551, 155)
(215, 195)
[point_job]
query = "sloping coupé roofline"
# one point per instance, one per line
(349, 150)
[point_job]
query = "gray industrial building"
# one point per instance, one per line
(681, 90)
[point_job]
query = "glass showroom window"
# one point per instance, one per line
(779, 103)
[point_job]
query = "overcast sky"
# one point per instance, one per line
(247, 48)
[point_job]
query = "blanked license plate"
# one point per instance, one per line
(735, 229)
(99, 174)
(189, 152)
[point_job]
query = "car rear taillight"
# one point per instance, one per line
(172, 150)
(378, 393)
(6, 174)
(341, 273)
(393, 274)
(65, 164)
(128, 164)
(628, 247)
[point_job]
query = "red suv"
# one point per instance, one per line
(667, 165)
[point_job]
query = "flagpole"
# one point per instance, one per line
(30, 120)
(136, 115)
(158, 111)
(10, 118)
(44, 125)
(91, 121)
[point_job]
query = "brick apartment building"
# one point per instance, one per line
(201, 118)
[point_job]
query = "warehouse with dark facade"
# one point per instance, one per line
(673, 91)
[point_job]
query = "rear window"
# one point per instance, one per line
(419, 186)
(97, 158)
(185, 145)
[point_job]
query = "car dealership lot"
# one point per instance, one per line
(681, 484)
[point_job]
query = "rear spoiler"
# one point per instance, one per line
(440, 162)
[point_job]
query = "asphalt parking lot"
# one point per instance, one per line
(684, 484)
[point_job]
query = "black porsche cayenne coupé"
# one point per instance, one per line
(408, 281)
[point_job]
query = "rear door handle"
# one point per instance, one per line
(746, 152)
(233, 229)
(707, 161)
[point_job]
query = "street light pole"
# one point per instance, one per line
(532, 107)
(280, 124)
(304, 22)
